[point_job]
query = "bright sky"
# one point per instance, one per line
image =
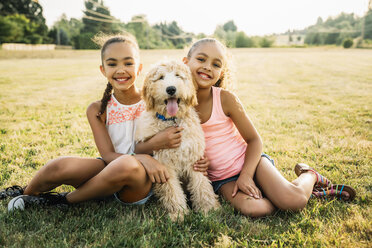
(254, 17)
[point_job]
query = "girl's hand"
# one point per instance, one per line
(202, 165)
(247, 186)
(156, 171)
(168, 138)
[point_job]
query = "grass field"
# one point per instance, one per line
(309, 105)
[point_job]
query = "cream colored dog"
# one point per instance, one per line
(170, 95)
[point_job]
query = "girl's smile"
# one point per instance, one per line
(204, 76)
(122, 80)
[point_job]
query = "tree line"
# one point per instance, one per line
(22, 21)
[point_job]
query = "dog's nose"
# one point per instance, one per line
(171, 90)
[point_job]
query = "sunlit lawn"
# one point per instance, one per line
(309, 105)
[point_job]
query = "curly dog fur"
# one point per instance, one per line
(169, 91)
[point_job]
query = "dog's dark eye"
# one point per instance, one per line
(161, 77)
(178, 75)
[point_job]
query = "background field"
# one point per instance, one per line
(309, 105)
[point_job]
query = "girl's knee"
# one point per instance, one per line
(257, 209)
(126, 168)
(292, 202)
(56, 166)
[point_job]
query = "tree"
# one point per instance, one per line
(347, 43)
(67, 30)
(230, 26)
(266, 42)
(32, 10)
(98, 18)
(242, 40)
(28, 14)
(368, 25)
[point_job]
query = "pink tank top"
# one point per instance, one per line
(225, 147)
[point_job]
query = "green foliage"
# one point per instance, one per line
(67, 29)
(242, 40)
(24, 22)
(230, 26)
(266, 42)
(10, 30)
(368, 25)
(17, 28)
(335, 30)
(32, 10)
(84, 41)
(95, 26)
(347, 43)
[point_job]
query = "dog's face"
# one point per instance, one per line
(169, 90)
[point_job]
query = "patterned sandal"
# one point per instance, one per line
(321, 181)
(335, 191)
(11, 191)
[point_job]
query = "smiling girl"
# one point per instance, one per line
(238, 169)
(112, 120)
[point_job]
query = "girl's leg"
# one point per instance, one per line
(284, 194)
(247, 205)
(65, 170)
(125, 175)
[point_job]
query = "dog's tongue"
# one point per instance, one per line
(172, 106)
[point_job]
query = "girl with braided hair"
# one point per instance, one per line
(119, 171)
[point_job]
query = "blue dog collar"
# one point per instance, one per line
(162, 117)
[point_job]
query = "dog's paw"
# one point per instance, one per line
(207, 206)
(176, 216)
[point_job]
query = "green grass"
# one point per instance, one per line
(310, 105)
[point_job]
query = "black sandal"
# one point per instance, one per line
(11, 191)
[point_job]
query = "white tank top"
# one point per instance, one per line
(121, 124)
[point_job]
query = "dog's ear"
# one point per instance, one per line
(145, 92)
(192, 100)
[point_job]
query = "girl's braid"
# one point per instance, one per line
(105, 98)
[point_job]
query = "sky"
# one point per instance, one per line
(254, 17)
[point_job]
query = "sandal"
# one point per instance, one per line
(11, 191)
(335, 191)
(321, 181)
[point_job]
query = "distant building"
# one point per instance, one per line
(289, 40)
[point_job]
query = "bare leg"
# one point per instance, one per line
(282, 193)
(125, 175)
(247, 205)
(65, 170)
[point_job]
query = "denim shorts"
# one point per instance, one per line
(217, 184)
(102, 160)
(140, 202)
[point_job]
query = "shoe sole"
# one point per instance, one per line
(299, 167)
(16, 203)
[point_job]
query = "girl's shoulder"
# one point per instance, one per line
(94, 109)
(229, 101)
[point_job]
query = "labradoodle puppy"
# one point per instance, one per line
(169, 94)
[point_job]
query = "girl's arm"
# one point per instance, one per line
(168, 138)
(100, 134)
(233, 108)
(156, 171)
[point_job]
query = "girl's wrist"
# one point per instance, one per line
(246, 173)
